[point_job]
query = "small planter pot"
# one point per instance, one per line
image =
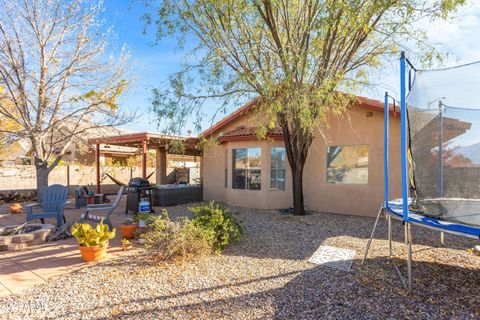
(90, 199)
(128, 230)
(95, 253)
(16, 208)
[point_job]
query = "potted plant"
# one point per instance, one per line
(93, 242)
(128, 228)
(16, 208)
(126, 245)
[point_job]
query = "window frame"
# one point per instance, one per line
(247, 170)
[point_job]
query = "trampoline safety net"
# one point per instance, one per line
(444, 132)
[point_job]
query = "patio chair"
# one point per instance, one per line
(53, 204)
(80, 198)
(107, 208)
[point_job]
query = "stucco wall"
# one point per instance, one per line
(355, 199)
(360, 127)
(214, 178)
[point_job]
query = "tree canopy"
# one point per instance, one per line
(57, 80)
(296, 55)
(304, 59)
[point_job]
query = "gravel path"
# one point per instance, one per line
(266, 275)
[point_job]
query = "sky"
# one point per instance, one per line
(152, 64)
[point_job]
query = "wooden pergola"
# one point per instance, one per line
(145, 141)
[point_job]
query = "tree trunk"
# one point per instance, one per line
(296, 147)
(42, 180)
(297, 185)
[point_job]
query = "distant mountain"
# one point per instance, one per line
(472, 152)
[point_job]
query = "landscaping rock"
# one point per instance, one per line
(23, 237)
(5, 240)
(42, 234)
(266, 275)
(14, 246)
(35, 242)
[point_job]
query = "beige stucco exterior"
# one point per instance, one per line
(360, 126)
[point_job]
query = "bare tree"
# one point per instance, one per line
(56, 78)
(296, 55)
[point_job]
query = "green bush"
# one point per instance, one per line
(167, 240)
(217, 220)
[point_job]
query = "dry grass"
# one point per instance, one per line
(178, 241)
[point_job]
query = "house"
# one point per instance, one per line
(343, 173)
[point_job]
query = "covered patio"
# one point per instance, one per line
(144, 141)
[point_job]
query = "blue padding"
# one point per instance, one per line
(395, 207)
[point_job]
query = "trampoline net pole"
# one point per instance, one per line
(385, 149)
(403, 135)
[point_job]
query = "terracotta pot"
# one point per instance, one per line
(128, 230)
(16, 208)
(95, 253)
(90, 199)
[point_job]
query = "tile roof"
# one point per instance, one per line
(247, 133)
(363, 102)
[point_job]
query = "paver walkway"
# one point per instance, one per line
(23, 269)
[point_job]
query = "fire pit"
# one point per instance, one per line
(17, 237)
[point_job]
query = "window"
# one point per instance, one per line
(277, 169)
(246, 173)
(226, 169)
(347, 164)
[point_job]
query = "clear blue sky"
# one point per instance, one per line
(150, 63)
(153, 64)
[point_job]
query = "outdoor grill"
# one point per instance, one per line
(138, 189)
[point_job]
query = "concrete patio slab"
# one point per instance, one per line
(23, 269)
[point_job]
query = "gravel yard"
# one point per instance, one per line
(266, 275)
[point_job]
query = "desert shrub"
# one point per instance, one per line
(217, 220)
(168, 240)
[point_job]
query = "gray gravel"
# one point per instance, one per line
(266, 275)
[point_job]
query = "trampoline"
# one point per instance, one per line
(440, 155)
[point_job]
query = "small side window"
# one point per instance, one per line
(226, 169)
(277, 169)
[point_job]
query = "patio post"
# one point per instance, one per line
(161, 165)
(97, 165)
(144, 159)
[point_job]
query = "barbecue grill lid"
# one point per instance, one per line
(138, 182)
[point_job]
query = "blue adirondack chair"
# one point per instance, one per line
(53, 203)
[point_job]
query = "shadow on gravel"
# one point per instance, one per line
(441, 290)
(271, 235)
(372, 292)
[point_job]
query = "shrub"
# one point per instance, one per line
(167, 240)
(218, 221)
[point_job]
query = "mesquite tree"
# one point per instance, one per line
(56, 79)
(303, 58)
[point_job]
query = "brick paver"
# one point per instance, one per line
(26, 268)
